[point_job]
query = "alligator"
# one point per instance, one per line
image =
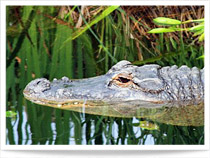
(123, 84)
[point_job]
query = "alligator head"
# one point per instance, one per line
(124, 82)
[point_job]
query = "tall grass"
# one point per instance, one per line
(43, 44)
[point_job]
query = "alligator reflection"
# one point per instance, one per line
(181, 115)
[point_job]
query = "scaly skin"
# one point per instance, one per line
(124, 83)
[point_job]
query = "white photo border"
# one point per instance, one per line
(99, 147)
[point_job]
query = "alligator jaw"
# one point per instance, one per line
(67, 92)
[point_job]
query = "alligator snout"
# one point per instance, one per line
(37, 86)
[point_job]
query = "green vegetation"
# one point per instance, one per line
(80, 42)
(197, 30)
(10, 114)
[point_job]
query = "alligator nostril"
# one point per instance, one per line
(38, 86)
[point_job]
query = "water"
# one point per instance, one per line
(27, 133)
(37, 124)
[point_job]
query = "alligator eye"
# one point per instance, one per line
(123, 79)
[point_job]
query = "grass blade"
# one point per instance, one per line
(105, 13)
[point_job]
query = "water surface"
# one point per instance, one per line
(107, 124)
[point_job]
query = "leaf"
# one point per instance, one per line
(166, 21)
(10, 114)
(198, 20)
(174, 44)
(199, 32)
(190, 21)
(201, 38)
(197, 28)
(162, 30)
(200, 57)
